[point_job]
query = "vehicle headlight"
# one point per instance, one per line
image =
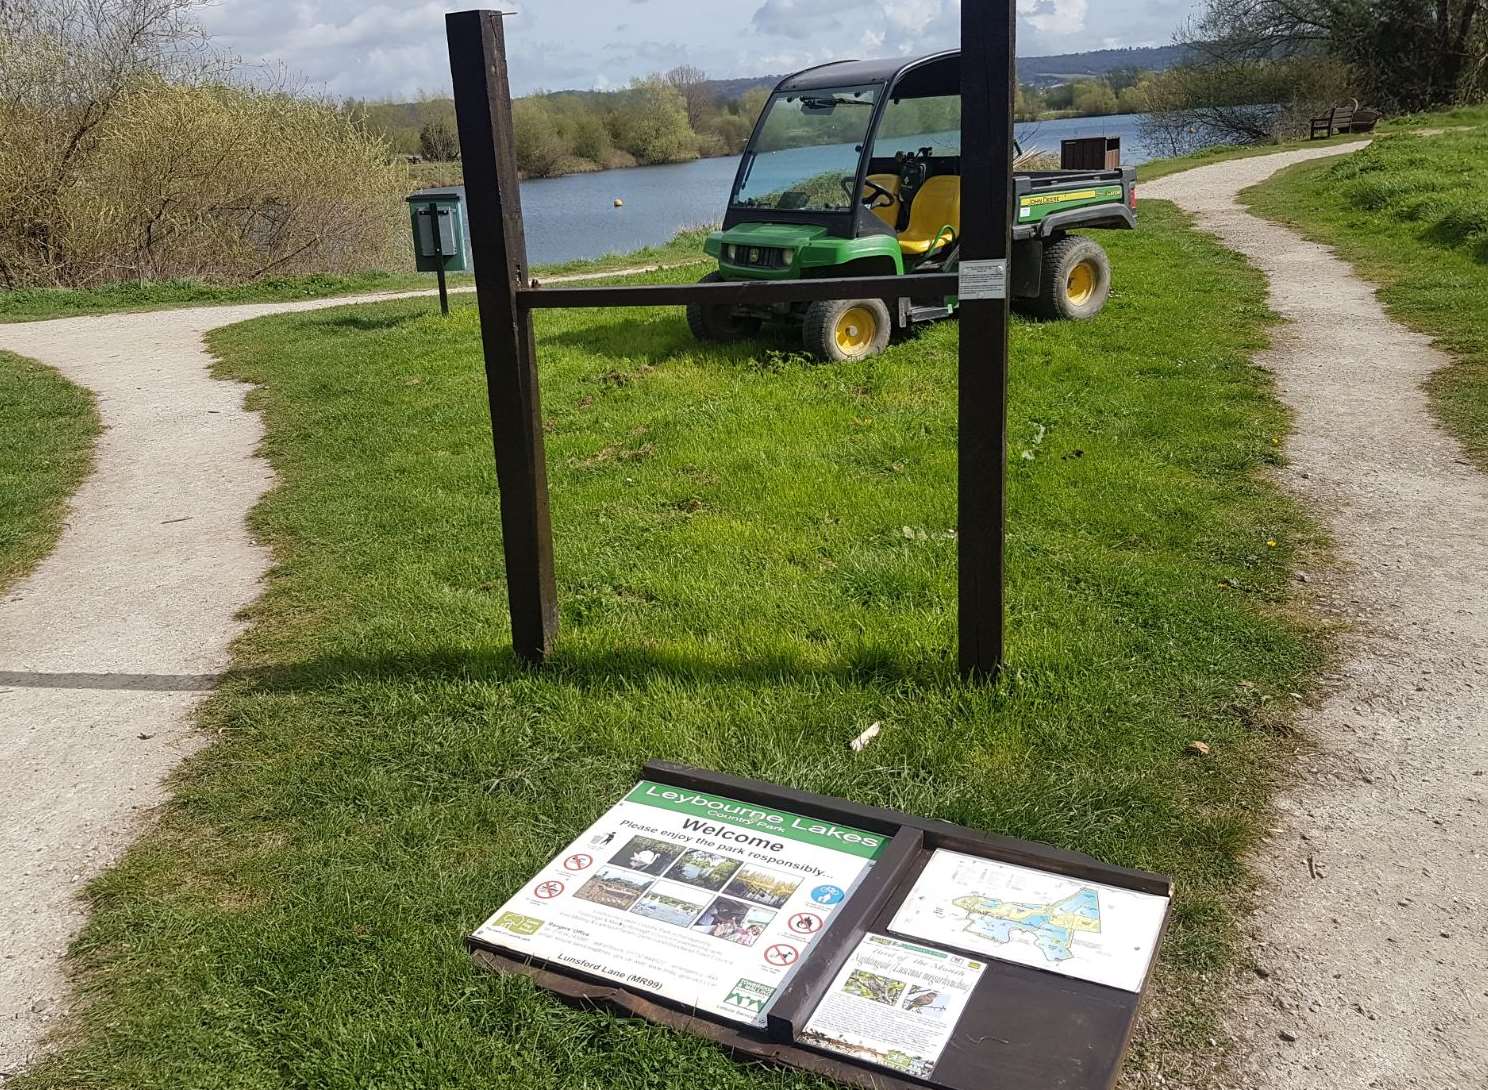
(787, 256)
(728, 253)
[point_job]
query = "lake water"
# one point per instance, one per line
(575, 216)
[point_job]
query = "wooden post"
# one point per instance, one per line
(433, 213)
(477, 48)
(988, 29)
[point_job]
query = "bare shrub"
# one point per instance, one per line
(129, 153)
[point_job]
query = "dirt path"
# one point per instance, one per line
(108, 646)
(106, 649)
(1372, 945)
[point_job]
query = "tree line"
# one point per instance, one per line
(669, 117)
(672, 117)
(1119, 91)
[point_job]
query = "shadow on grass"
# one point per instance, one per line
(358, 322)
(662, 337)
(655, 337)
(624, 666)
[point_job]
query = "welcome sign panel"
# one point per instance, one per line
(704, 900)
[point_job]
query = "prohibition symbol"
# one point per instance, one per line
(805, 923)
(548, 890)
(578, 862)
(781, 954)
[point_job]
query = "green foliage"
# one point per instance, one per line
(651, 123)
(47, 429)
(755, 562)
(921, 116)
(1094, 98)
(1121, 90)
(659, 119)
(1412, 213)
(539, 143)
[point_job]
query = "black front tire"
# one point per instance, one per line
(718, 323)
(1075, 281)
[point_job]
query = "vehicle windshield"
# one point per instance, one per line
(806, 154)
(910, 124)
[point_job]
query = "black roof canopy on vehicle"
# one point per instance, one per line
(929, 76)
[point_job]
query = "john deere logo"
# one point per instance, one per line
(518, 924)
(749, 995)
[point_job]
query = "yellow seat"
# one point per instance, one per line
(934, 217)
(888, 213)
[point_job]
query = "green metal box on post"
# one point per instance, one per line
(441, 236)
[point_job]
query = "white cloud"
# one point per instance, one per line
(384, 48)
(1054, 16)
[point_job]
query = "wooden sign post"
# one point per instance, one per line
(988, 83)
(483, 111)
(483, 114)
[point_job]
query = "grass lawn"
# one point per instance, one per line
(756, 560)
(1411, 214)
(47, 428)
(41, 303)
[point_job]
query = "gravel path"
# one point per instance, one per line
(110, 644)
(1372, 943)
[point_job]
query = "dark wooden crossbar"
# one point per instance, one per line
(929, 286)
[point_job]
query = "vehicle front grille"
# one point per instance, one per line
(756, 257)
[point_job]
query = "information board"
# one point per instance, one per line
(707, 901)
(874, 947)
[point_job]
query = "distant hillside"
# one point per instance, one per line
(1045, 71)
(1040, 71)
(729, 89)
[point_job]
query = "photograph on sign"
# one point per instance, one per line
(707, 901)
(1081, 929)
(894, 1004)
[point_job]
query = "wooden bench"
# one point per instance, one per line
(1338, 119)
(1342, 119)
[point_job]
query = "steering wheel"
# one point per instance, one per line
(879, 196)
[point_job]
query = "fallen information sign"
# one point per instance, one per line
(874, 947)
(704, 900)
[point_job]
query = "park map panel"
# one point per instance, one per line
(1076, 928)
(705, 900)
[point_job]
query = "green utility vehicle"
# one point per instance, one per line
(854, 169)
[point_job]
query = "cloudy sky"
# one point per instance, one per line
(369, 49)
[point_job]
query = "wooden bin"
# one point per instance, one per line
(1090, 153)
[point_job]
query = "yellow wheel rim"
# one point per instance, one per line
(856, 330)
(1080, 284)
